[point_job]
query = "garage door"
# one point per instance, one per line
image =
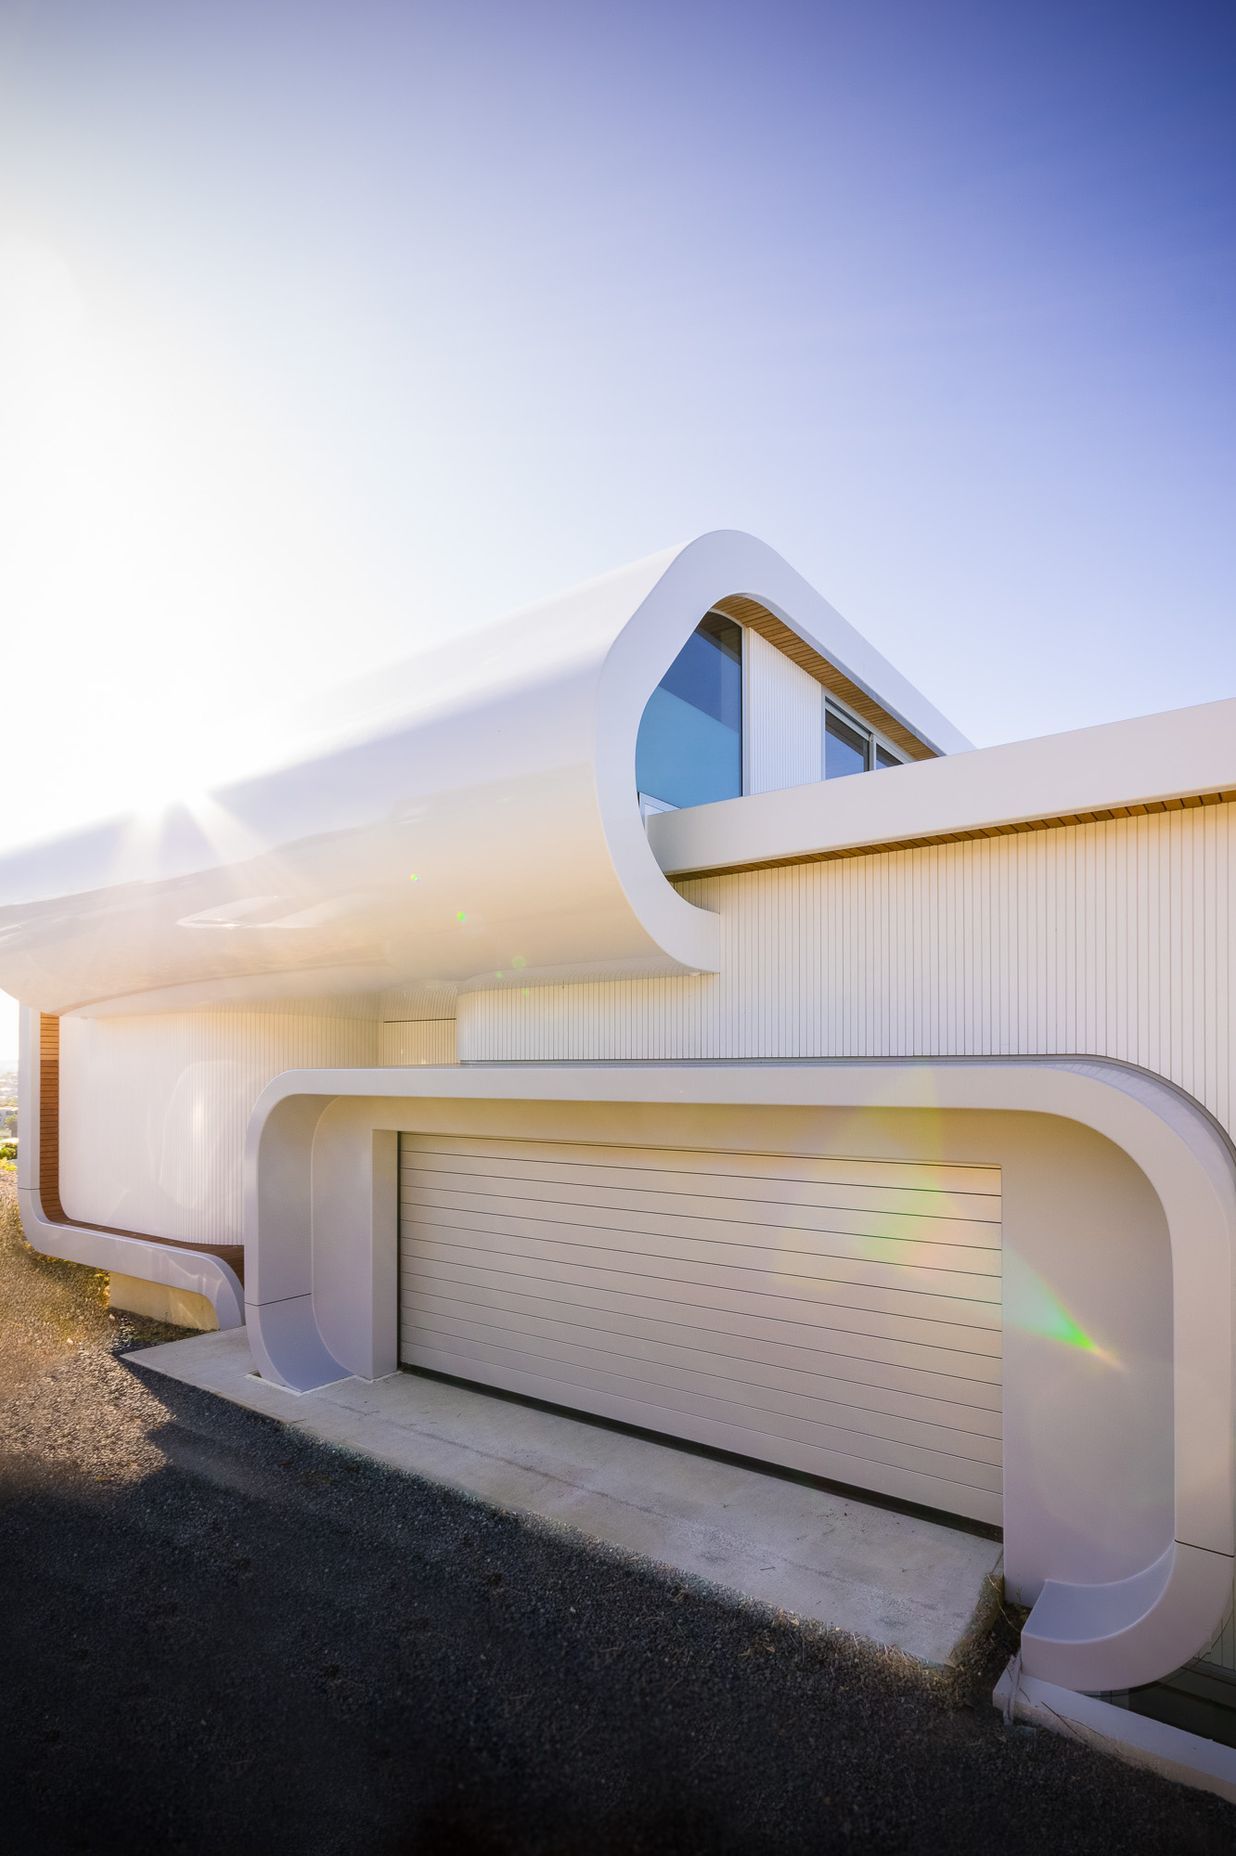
(836, 1316)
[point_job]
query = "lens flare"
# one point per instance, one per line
(1035, 1308)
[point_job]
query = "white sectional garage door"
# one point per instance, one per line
(836, 1316)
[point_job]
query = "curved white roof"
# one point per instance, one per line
(471, 817)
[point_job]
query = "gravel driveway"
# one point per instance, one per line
(220, 1636)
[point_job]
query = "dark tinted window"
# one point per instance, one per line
(845, 749)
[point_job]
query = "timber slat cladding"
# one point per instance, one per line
(839, 1316)
(749, 612)
(49, 1116)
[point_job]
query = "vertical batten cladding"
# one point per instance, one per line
(418, 1024)
(417, 1041)
(1112, 939)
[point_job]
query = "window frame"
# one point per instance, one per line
(648, 804)
(873, 737)
(875, 741)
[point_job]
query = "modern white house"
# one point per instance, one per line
(654, 1006)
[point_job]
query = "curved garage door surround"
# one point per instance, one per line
(1118, 1216)
(837, 1316)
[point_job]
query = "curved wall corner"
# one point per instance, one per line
(1131, 1631)
(192, 1272)
(320, 1232)
(174, 1266)
(714, 567)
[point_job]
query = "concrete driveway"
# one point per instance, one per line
(221, 1635)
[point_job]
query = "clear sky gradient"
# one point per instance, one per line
(330, 330)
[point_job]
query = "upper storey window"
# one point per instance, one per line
(689, 748)
(851, 748)
(846, 748)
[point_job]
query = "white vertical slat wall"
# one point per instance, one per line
(417, 1041)
(418, 1024)
(1111, 939)
(429, 999)
(784, 719)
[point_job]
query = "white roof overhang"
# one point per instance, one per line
(471, 818)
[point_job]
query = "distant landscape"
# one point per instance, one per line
(8, 1112)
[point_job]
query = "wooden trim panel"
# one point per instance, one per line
(49, 1117)
(757, 618)
(1184, 803)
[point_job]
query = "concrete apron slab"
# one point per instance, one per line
(900, 1580)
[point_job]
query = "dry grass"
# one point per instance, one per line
(49, 1308)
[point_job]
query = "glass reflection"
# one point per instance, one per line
(689, 749)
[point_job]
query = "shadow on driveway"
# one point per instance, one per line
(221, 1636)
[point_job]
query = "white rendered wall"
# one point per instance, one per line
(784, 723)
(153, 1109)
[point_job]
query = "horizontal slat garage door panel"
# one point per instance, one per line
(605, 1308)
(760, 1343)
(937, 1427)
(800, 1225)
(836, 1316)
(925, 1271)
(449, 1262)
(484, 1151)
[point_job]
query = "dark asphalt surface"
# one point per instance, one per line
(220, 1636)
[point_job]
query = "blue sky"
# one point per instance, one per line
(332, 329)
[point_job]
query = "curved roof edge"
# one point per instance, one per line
(770, 580)
(471, 817)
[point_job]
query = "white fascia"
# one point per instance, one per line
(1110, 768)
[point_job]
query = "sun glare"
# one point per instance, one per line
(136, 550)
